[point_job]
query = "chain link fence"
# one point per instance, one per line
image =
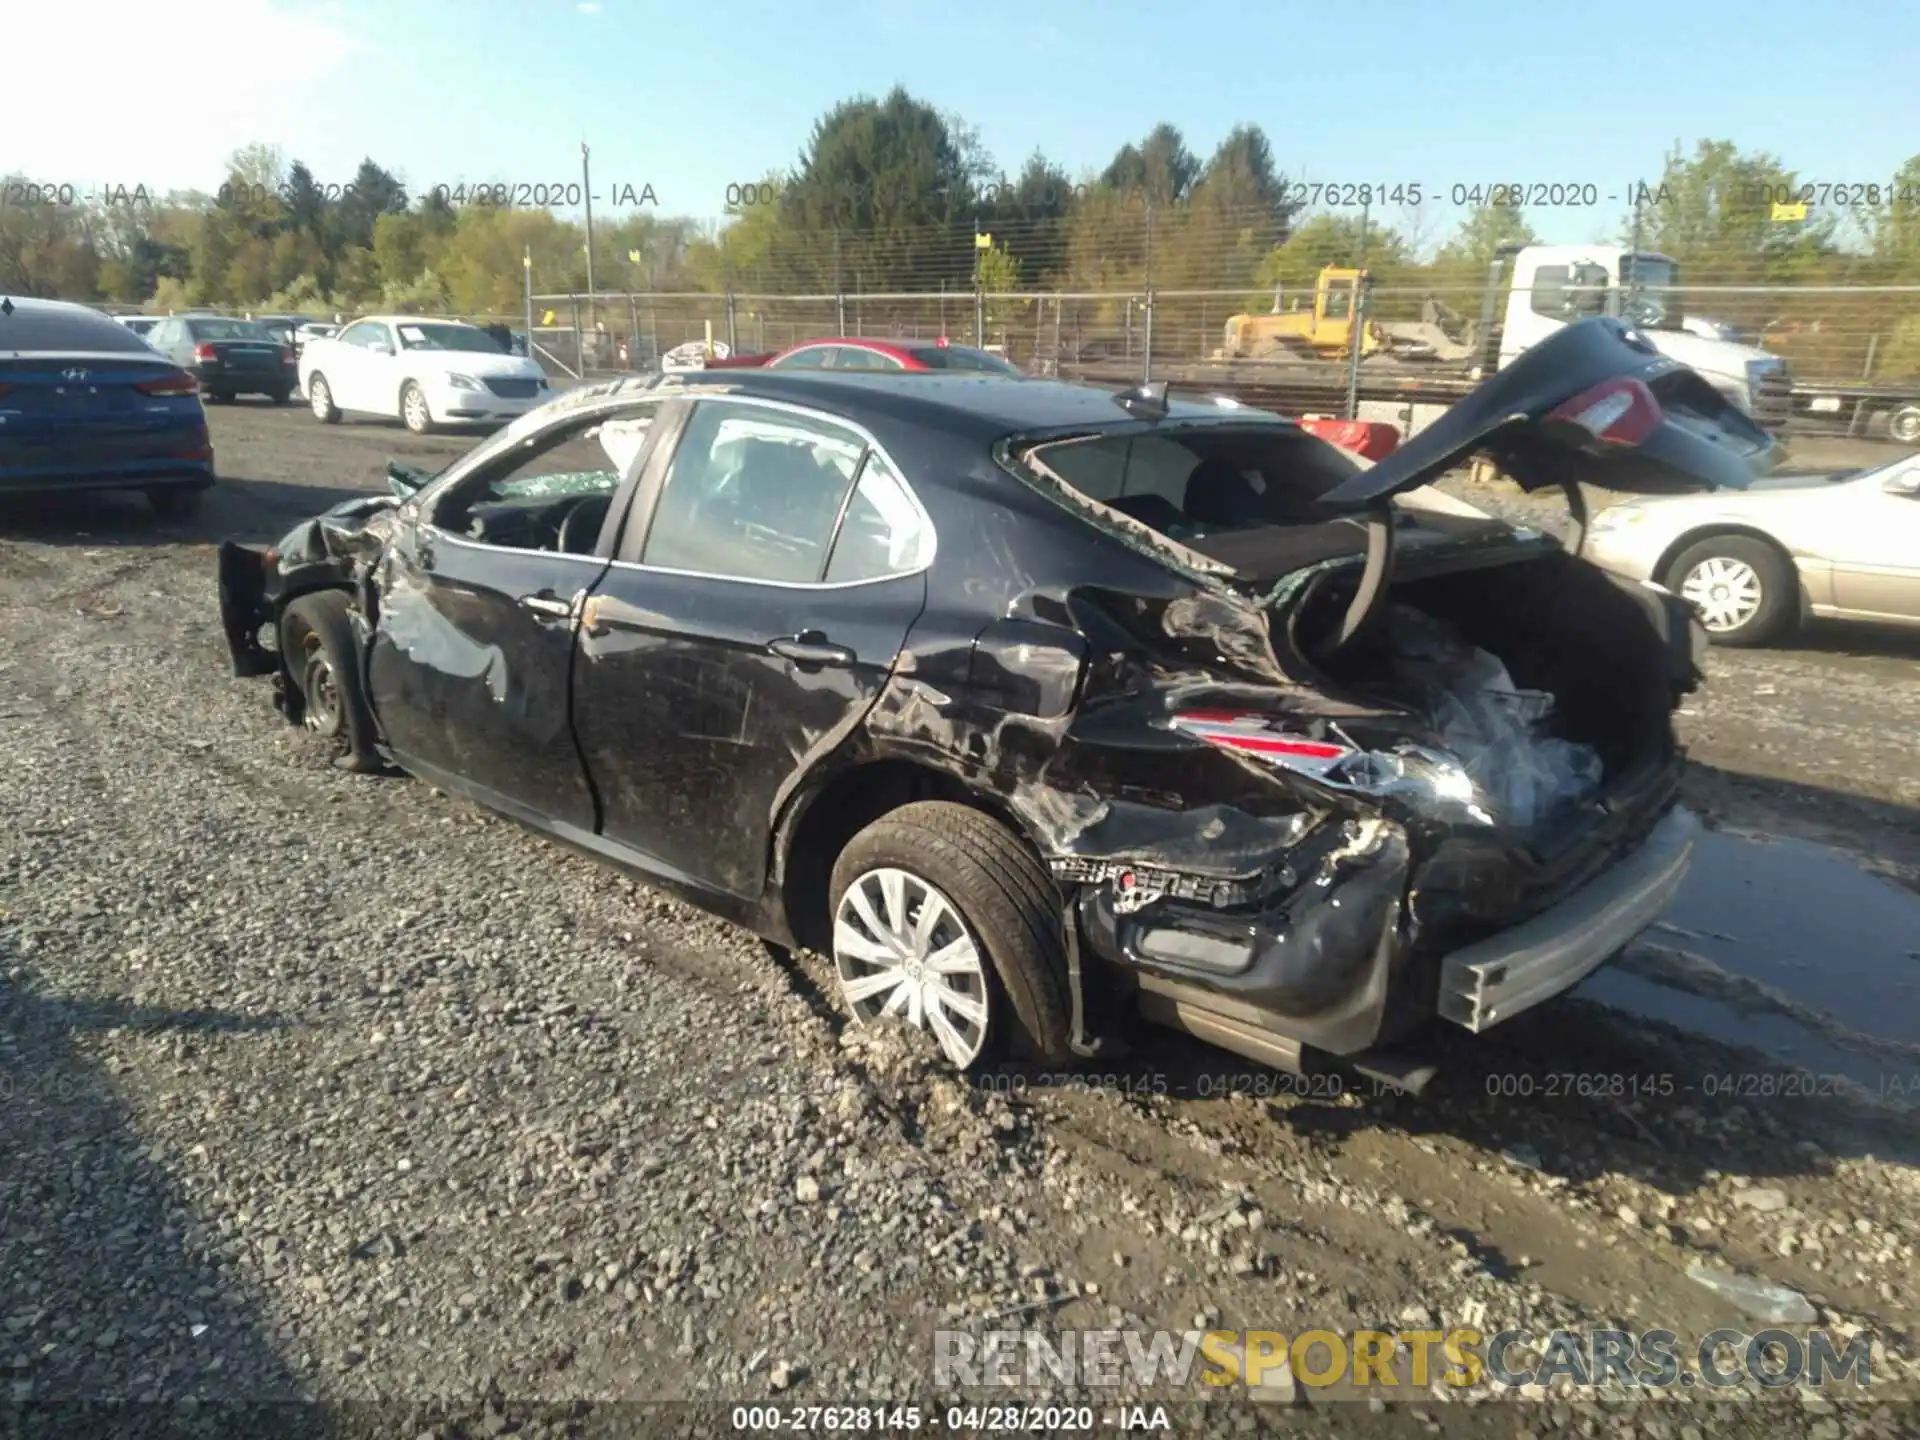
(1852, 352)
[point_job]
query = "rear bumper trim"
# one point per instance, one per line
(1497, 978)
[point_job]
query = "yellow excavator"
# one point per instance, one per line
(1325, 332)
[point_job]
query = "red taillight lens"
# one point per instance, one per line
(174, 382)
(1254, 735)
(286, 354)
(5, 388)
(1615, 412)
(205, 352)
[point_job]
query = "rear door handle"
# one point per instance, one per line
(810, 647)
(548, 603)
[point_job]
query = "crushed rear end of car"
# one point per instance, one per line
(1380, 765)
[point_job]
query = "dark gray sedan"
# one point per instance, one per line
(228, 357)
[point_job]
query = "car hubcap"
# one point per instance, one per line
(322, 398)
(903, 951)
(322, 696)
(1726, 592)
(416, 410)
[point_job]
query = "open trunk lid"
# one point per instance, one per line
(1595, 403)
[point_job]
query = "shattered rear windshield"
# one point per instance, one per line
(1194, 483)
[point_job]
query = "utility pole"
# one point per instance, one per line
(586, 189)
(979, 300)
(1633, 290)
(1357, 324)
(1146, 347)
(526, 266)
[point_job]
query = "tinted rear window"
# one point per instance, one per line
(962, 357)
(229, 330)
(31, 328)
(1200, 482)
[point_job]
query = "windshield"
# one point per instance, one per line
(229, 330)
(962, 357)
(1203, 482)
(1650, 292)
(446, 337)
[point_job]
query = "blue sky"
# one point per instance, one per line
(689, 96)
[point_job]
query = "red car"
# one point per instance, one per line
(879, 355)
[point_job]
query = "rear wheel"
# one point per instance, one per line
(944, 919)
(320, 399)
(281, 397)
(413, 409)
(317, 647)
(1743, 588)
(1904, 424)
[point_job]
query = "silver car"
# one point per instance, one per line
(1842, 546)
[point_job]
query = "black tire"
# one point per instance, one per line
(174, 502)
(417, 419)
(1904, 424)
(280, 397)
(1007, 901)
(1779, 605)
(316, 646)
(320, 400)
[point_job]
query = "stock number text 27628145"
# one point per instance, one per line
(1339, 193)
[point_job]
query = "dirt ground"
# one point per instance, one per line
(327, 1087)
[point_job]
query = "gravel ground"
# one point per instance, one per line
(333, 1088)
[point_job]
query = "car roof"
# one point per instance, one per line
(862, 342)
(411, 320)
(993, 405)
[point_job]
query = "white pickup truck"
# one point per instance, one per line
(424, 372)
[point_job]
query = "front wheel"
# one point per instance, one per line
(317, 646)
(320, 399)
(943, 918)
(413, 409)
(1904, 424)
(1743, 588)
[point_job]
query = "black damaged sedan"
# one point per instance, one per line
(1039, 708)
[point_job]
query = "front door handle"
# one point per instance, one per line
(548, 603)
(811, 647)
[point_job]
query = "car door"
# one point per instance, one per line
(764, 584)
(469, 666)
(1874, 543)
(376, 378)
(344, 360)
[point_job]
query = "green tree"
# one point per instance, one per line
(1713, 212)
(1031, 215)
(1324, 240)
(1481, 235)
(374, 192)
(1160, 167)
(884, 189)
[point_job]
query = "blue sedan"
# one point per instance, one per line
(85, 404)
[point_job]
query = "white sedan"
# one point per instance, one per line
(1753, 562)
(426, 373)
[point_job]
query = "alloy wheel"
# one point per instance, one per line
(903, 951)
(325, 714)
(416, 410)
(1726, 591)
(320, 398)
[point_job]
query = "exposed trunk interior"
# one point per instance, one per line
(1556, 624)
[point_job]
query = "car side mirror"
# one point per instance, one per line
(1904, 482)
(404, 479)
